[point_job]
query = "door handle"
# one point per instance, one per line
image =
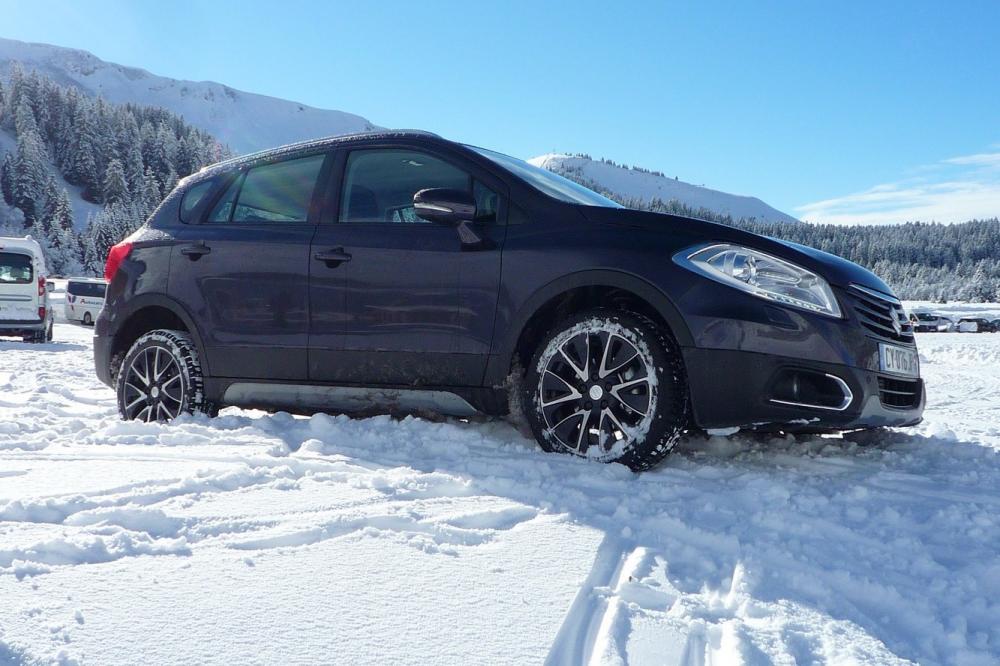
(195, 252)
(334, 257)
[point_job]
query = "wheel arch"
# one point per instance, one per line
(575, 292)
(150, 312)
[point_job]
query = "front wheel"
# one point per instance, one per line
(87, 319)
(608, 386)
(160, 378)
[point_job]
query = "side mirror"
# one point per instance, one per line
(444, 206)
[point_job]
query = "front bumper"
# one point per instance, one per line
(742, 343)
(735, 389)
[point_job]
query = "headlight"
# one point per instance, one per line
(762, 275)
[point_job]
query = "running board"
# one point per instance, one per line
(349, 399)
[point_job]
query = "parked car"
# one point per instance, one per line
(926, 322)
(996, 325)
(975, 325)
(402, 271)
(84, 299)
(24, 291)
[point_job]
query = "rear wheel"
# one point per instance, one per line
(160, 378)
(87, 319)
(607, 386)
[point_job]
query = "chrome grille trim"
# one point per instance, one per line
(877, 313)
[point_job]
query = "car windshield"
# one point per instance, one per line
(923, 316)
(547, 182)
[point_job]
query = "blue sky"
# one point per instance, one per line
(832, 111)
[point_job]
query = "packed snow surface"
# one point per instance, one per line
(268, 538)
(646, 186)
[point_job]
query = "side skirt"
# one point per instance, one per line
(346, 399)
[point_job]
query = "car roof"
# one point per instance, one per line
(87, 279)
(24, 244)
(318, 144)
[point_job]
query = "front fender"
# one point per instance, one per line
(503, 350)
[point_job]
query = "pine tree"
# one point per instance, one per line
(29, 176)
(150, 195)
(115, 185)
(7, 179)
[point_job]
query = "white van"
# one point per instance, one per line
(84, 299)
(24, 291)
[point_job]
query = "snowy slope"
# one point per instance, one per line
(81, 209)
(244, 121)
(267, 538)
(647, 186)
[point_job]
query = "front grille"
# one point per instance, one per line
(877, 312)
(899, 393)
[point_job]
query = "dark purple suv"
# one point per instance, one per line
(399, 271)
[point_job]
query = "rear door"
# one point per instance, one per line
(19, 287)
(242, 272)
(396, 299)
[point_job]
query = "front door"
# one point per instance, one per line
(398, 300)
(243, 272)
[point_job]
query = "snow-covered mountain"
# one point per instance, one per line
(244, 121)
(647, 186)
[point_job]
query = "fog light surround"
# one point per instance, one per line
(810, 389)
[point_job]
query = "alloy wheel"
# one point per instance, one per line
(154, 389)
(596, 394)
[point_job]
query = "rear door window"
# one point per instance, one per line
(15, 268)
(280, 192)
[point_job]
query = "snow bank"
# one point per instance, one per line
(267, 537)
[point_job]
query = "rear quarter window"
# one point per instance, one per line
(194, 196)
(15, 268)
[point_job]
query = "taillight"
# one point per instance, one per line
(116, 256)
(41, 286)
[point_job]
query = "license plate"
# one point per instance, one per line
(899, 360)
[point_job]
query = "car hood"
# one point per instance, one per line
(836, 270)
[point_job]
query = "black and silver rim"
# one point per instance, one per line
(597, 390)
(153, 388)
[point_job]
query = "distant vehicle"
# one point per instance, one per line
(975, 325)
(84, 299)
(24, 291)
(996, 325)
(927, 322)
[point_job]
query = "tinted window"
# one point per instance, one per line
(15, 268)
(379, 186)
(278, 192)
(192, 197)
(88, 289)
(223, 210)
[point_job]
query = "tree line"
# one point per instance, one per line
(124, 157)
(919, 260)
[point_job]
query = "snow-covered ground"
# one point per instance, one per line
(266, 538)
